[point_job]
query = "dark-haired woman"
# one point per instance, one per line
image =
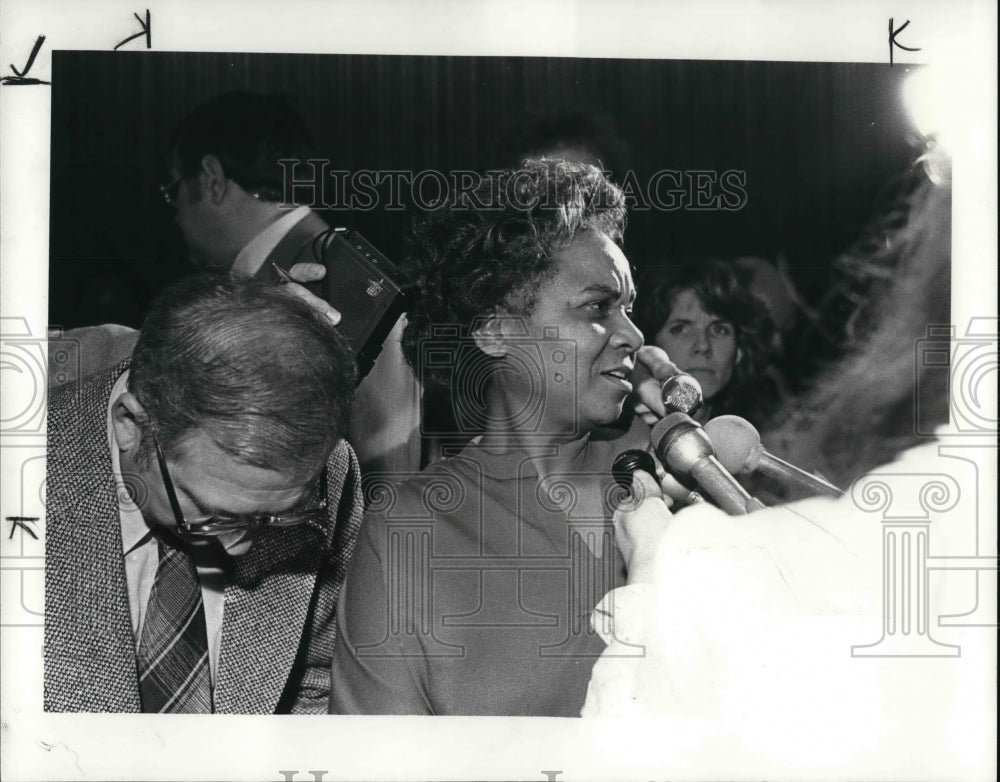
(710, 324)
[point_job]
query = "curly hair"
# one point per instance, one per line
(493, 245)
(723, 290)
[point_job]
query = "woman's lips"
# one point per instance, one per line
(619, 378)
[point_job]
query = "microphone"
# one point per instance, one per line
(738, 447)
(682, 445)
(627, 462)
(681, 393)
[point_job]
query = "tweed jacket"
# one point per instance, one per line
(278, 623)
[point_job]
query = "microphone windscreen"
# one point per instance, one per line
(664, 425)
(736, 441)
(681, 393)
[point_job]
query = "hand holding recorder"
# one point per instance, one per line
(300, 275)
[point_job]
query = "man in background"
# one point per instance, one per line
(227, 186)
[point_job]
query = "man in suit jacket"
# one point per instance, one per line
(219, 444)
(228, 182)
(235, 212)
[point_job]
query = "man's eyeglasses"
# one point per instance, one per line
(218, 524)
(169, 191)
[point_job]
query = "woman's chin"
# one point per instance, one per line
(606, 418)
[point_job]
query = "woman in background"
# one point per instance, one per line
(710, 324)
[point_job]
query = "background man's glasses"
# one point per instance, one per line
(218, 524)
(169, 191)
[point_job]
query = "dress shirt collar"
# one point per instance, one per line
(252, 256)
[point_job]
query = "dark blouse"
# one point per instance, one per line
(472, 586)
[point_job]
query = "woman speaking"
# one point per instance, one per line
(472, 584)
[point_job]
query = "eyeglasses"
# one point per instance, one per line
(218, 524)
(169, 191)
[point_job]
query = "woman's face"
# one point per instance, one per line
(700, 343)
(580, 338)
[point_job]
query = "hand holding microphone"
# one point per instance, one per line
(627, 463)
(738, 447)
(639, 527)
(679, 441)
(652, 368)
(685, 449)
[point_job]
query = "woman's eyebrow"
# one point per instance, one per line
(612, 291)
(600, 287)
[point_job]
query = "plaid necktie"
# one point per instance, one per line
(173, 652)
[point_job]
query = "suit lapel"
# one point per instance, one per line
(89, 645)
(266, 605)
(271, 593)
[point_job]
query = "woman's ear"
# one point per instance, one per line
(739, 356)
(127, 414)
(490, 335)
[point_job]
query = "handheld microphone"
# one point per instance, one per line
(627, 462)
(681, 393)
(738, 448)
(685, 449)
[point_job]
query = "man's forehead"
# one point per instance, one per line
(201, 461)
(240, 493)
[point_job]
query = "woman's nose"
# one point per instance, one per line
(628, 334)
(701, 344)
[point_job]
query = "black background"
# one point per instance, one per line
(819, 142)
